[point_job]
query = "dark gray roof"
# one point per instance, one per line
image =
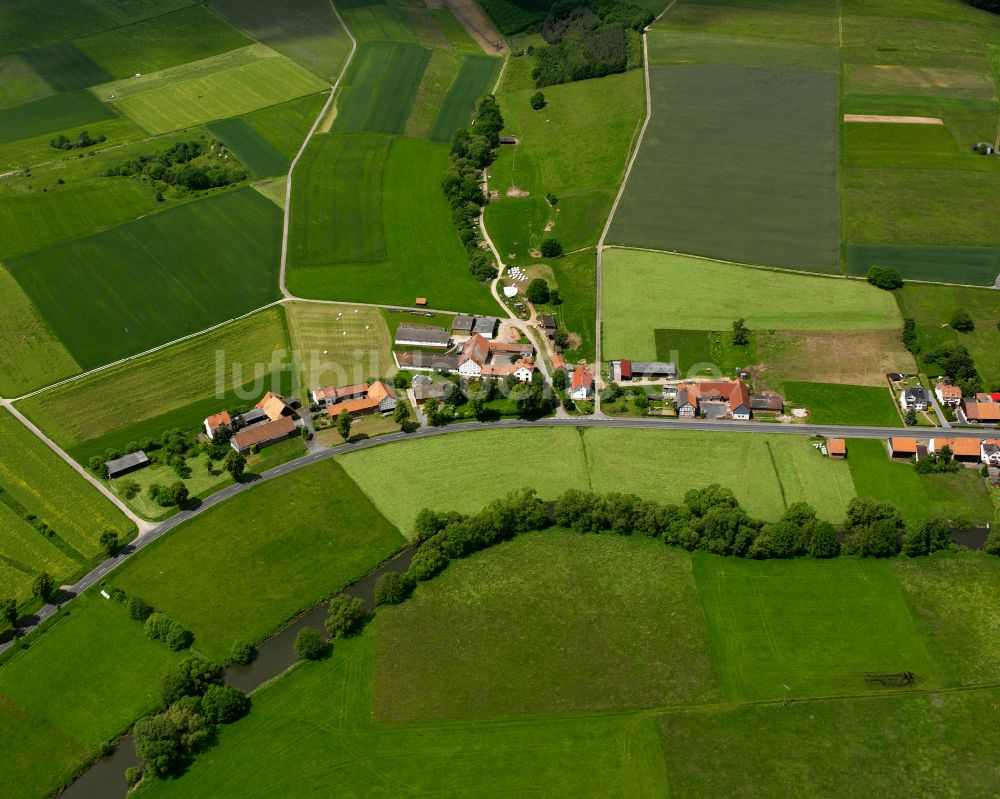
(252, 416)
(420, 359)
(463, 323)
(422, 334)
(428, 390)
(127, 462)
(485, 326)
(653, 368)
(421, 380)
(548, 321)
(917, 393)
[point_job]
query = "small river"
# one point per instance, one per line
(106, 778)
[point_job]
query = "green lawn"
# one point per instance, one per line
(176, 387)
(378, 92)
(830, 403)
(313, 729)
(816, 626)
(646, 291)
(81, 683)
(51, 114)
(561, 153)
(160, 277)
(243, 568)
(960, 496)
(568, 623)
(937, 745)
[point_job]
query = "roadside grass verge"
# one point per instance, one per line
(161, 277)
(175, 387)
(830, 403)
(816, 626)
(644, 291)
(378, 91)
(311, 532)
(960, 496)
(563, 592)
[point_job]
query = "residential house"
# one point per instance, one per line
(414, 335)
(980, 412)
(328, 395)
(125, 464)
(669, 393)
(686, 401)
(948, 394)
(989, 451)
(836, 448)
(275, 406)
(264, 435)
(482, 358)
(963, 450)
(214, 422)
(915, 398)
(378, 398)
(734, 393)
(901, 448)
(581, 385)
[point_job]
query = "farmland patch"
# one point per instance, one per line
(843, 404)
(19, 83)
(65, 67)
(978, 266)
(51, 114)
(254, 152)
(475, 77)
(380, 88)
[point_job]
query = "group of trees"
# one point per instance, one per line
(589, 39)
(62, 142)
(176, 493)
(885, 277)
(937, 462)
(194, 701)
(173, 166)
(158, 626)
(957, 364)
(741, 333)
(345, 617)
(471, 152)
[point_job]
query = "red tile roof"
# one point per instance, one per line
(625, 369)
(982, 411)
(558, 362)
(948, 391)
(903, 444)
(582, 378)
(262, 433)
(374, 394)
(216, 421)
(836, 446)
(963, 447)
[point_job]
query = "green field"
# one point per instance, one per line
(474, 79)
(311, 532)
(254, 152)
(844, 404)
(19, 83)
(674, 47)
(574, 277)
(424, 257)
(35, 481)
(560, 153)
(645, 291)
(378, 92)
(176, 387)
(961, 496)
(225, 85)
(189, 34)
(201, 263)
(978, 266)
(815, 626)
(55, 714)
(65, 67)
(765, 196)
(307, 31)
(33, 356)
(577, 627)
(51, 114)
(765, 472)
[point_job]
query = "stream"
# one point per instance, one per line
(105, 779)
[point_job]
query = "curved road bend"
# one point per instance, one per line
(153, 532)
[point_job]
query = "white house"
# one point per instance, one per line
(948, 394)
(581, 384)
(990, 452)
(914, 398)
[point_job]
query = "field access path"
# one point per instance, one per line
(153, 532)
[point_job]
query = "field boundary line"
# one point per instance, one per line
(500, 74)
(291, 167)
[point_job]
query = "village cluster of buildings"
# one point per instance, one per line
(271, 420)
(963, 450)
(980, 409)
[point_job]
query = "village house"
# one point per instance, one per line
(264, 435)
(482, 358)
(915, 399)
(276, 406)
(902, 448)
(948, 394)
(989, 451)
(328, 395)
(414, 335)
(963, 450)
(214, 422)
(425, 391)
(979, 412)
(836, 448)
(376, 398)
(126, 464)
(692, 397)
(581, 385)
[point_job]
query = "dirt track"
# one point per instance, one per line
(479, 26)
(893, 119)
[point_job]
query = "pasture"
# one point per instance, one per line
(36, 481)
(50, 115)
(644, 291)
(816, 626)
(175, 387)
(844, 404)
(558, 153)
(960, 496)
(574, 277)
(227, 245)
(306, 31)
(572, 643)
(424, 257)
(378, 91)
(780, 204)
(337, 345)
(254, 152)
(311, 532)
(56, 714)
(33, 356)
(225, 85)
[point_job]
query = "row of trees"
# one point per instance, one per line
(84, 139)
(158, 626)
(471, 152)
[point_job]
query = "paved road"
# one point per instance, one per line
(153, 532)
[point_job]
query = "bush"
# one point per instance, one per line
(962, 321)
(537, 101)
(993, 543)
(132, 775)
(158, 626)
(137, 609)
(347, 615)
(551, 248)
(130, 489)
(191, 677)
(223, 704)
(43, 586)
(177, 638)
(241, 653)
(393, 588)
(884, 278)
(309, 644)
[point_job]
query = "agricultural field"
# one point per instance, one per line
(960, 496)
(65, 67)
(844, 404)
(406, 477)
(57, 715)
(51, 114)
(474, 79)
(175, 387)
(338, 345)
(645, 291)
(35, 482)
(311, 532)
(226, 245)
(558, 153)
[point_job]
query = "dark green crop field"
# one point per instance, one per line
(475, 77)
(738, 164)
(65, 67)
(977, 266)
(380, 88)
(255, 152)
(51, 114)
(132, 287)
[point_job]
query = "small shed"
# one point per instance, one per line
(421, 301)
(125, 464)
(836, 448)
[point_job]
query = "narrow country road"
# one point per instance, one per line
(154, 532)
